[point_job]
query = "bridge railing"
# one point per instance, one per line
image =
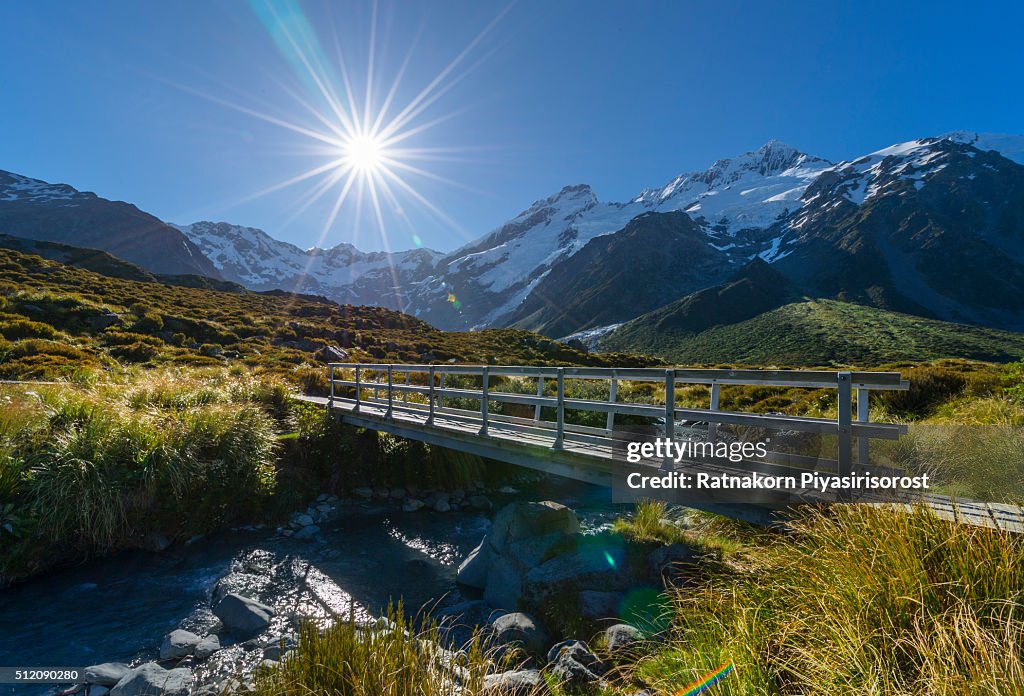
(426, 384)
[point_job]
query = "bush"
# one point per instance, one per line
(859, 600)
(138, 352)
(930, 386)
(15, 329)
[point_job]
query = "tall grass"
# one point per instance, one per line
(862, 601)
(393, 657)
(89, 470)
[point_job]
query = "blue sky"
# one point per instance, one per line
(127, 99)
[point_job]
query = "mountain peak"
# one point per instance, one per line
(1006, 144)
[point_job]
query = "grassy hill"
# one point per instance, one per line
(57, 320)
(819, 332)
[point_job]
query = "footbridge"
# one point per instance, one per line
(576, 421)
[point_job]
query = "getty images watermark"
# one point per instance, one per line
(747, 472)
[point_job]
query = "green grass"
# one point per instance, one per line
(54, 324)
(393, 657)
(820, 332)
(864, 601)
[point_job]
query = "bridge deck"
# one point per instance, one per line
(583, 455)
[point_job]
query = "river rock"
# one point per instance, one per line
(473, 570)
(381, 492)
(97, 690)
(598, 606)
(243, 615)
(480, 502)
(520, 682)
(150, 679)
(307, 532)
(622, 636)
(412, 505)
(669, 562)
(106, 674)
(301, 519)
(442, 505)
(363, 492)
(530, 519)
(207, 646)
(573, 663)
(397, 493)
(178, 644)
(522, 630)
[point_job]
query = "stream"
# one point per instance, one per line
(117, 609)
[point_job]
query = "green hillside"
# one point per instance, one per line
(57, 320)
(818, 332)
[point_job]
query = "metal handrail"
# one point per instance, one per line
(848, 384)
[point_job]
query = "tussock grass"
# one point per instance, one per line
(862, 601)
(394, 657)
(87, 470)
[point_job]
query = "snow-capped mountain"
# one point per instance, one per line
(35, 209)
(253, 258)
(898, 227)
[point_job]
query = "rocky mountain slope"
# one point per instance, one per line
(932, 227)
(39, 210)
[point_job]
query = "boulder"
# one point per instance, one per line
(300, 519)
(473, 570)
(504, 582)
(106, 674)
(480, 502)
(331, 354)
(529, 519)
(243, 615)
(568, 573)
(150, 679)
(520, 682)
(622, 636)
(207, 646)
(363, 492)
(522, 630)
(597, 606)
(442, 505)
(178, 644)
(573, 664)
(670, 562)
(307, 532)
(412, 505)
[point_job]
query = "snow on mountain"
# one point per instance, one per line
(15, 187)
(754, 205)
(252, 257)
(751, 191)
(1009, 146)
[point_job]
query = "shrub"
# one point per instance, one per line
(936, 611)
(391, 657)
(138, 352)
(24, 328)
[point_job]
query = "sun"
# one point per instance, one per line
(363, 153)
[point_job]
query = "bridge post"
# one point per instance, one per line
(430, 417)
(863, 416)
(844, 423)
(330, 398)
(540, 392)
(560, 409)
(670, 411)
(358, 390)
(391, 392)
(612, 394)
(716, 395)
(484, 388)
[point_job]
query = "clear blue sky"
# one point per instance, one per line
(106, 96)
